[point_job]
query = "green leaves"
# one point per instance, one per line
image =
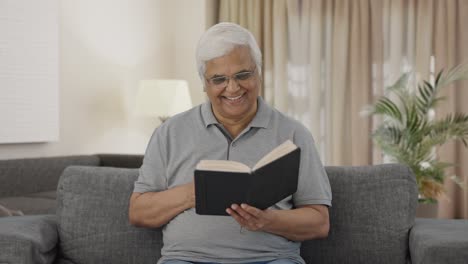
(459, 72)
(427, 97)
(453, 126)
(409, 132)
(385, 106)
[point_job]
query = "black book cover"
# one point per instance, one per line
(215, 191)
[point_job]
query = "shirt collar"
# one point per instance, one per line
(261, 119)
(207, 114)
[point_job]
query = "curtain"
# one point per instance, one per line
(450, 46)
(266, 19)
(427, 36)
(324, 60)
(309, 48)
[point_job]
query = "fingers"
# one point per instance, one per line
(242, 210)
(247, 216)
(255, 212)
(236, 217)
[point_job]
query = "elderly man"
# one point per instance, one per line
(236, 124)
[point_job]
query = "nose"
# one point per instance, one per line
(232, 85)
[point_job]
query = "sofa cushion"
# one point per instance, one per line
(435, 241)
(31, 175)
(28, 239)
(93, 218)
(372, 212)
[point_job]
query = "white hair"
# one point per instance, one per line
(222, 38)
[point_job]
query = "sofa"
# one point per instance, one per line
(372, 220)
(28, 186)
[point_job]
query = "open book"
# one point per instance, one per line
(220, 183)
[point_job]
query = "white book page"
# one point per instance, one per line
(276, 153)
(222, 165)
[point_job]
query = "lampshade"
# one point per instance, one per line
(162, 98)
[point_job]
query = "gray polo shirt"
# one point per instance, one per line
(182, 141)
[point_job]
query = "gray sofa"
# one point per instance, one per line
(372, 221)
(29, 185)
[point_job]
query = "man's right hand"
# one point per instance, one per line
(155, 209)
(190, 191)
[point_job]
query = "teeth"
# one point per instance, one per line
(234, 98)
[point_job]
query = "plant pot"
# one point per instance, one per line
(427, 210)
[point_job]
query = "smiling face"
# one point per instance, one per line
(237, 101)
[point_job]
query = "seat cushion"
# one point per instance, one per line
(435, 241)
(372, 211)
(93, 218)
(28, 239)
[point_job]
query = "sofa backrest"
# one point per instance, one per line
(120, 160)
(32, 175)
(373, 209)
(93, 221)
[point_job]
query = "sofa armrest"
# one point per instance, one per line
(28, 239)
(120, 160)
(439, 241)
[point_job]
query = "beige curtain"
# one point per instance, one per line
(309, 48)
(325, 59)
(427, 36)
(450, 48)
(266, 19)
(351, 83)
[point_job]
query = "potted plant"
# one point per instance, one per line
(410, 133)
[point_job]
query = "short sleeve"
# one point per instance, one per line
(313, 186)
(152, 173)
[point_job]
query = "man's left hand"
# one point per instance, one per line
(251, 218)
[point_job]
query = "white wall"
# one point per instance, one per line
(29, 69)
(106, 47)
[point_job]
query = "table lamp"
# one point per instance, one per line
(162, 98)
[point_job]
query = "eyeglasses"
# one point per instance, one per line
(241, 78)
